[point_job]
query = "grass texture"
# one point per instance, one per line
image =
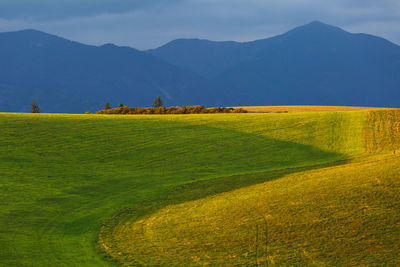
(338, 216)
(62, 177)
(280, 109)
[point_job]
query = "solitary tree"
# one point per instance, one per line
(155, 104)
(34, 107)
(121, 105)
(158, 102)
(107, 105)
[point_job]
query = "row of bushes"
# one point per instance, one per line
(171, 110)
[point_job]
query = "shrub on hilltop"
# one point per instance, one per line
(199, 109)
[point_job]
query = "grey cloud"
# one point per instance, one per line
(60, 9)
(150, 23)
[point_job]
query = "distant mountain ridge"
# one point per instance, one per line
(314, 64)
(201, 55)
(67, 76)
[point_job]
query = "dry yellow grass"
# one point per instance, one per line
(266, 109)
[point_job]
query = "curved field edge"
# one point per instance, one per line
(343, 215)
(61, 176)
(118, 234)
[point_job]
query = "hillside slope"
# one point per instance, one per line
(341, 215)
(347, 215)
(63, 176)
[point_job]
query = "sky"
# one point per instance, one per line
(145, 24)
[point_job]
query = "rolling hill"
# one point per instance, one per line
(327, 183)
(336, 216)
(332, 215)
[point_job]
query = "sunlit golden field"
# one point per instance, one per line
(344, 215)
(311, 188)
(283, 109)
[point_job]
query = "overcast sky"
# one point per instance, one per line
(150, 23)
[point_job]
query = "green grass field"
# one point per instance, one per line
(346, 215)
(280, 109)
(67, 178)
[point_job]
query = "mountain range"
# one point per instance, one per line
(314, 64)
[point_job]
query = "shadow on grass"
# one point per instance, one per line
(96, 167)
(281, 156)
(194, 191)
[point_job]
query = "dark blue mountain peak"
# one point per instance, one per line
(35, 38)
(31, 33)
(316, 27)
(67, 76)
(317, 23)
(315, 63)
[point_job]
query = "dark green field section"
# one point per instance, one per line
(63, 178)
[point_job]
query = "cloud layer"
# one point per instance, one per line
(150, 23)
(45, 10)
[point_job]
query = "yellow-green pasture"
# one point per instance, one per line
(284, 109)
(63, 178)
(346, 215)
